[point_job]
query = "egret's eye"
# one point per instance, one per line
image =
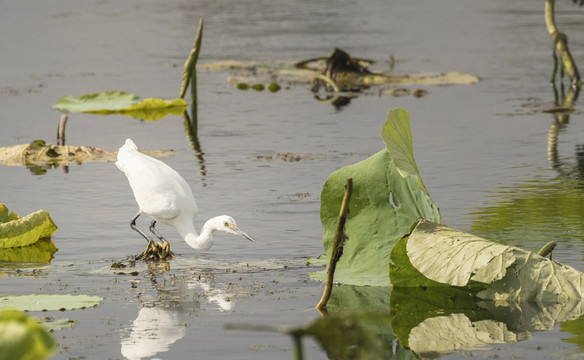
(226, 224)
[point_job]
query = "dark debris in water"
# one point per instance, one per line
(287, 157)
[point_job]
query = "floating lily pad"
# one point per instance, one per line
(15, 231)
(52, 324)
(40, 302)
(120, 102)
(23, 338)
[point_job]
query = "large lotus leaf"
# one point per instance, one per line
(120, 102)
(23, 338)
(388, 195)
(40, 302)
(436, 254)
(27, 230)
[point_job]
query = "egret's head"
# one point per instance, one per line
(227, 224)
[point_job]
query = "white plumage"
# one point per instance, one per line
(165, 196)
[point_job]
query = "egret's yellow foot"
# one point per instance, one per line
(165, 250)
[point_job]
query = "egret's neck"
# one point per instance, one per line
(193, 239)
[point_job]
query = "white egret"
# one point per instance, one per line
(165, 196)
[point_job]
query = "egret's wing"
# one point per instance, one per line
(159, 190)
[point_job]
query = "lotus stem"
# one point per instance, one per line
(189, 67)
(547, 249)
(338, 243)
(561, 44)
(329, 81)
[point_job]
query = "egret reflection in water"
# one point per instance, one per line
(163, 322)
(155, 329)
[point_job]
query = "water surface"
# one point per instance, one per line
(481, 149)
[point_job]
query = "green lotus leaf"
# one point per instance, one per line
(105, 101)
(120, 102)
(24, 231)
(6, 216)
(23, 338)
(388, 196)
(40, 302)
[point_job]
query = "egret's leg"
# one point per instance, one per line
(165, 246)
(155, 232)
(133, 226)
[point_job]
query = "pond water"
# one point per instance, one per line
(482, 150)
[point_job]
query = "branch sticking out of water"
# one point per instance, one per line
(61, 130)
(338, 243)
(191, 62)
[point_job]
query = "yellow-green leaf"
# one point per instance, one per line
(120, 102)
(25, 231)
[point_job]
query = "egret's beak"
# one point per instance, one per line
(235, 231)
